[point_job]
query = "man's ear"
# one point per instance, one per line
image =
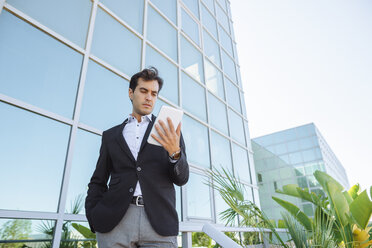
(130, 93)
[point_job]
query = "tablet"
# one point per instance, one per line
(174, 114)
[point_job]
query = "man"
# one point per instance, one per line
(137, 209)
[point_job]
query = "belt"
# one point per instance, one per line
(138, 200)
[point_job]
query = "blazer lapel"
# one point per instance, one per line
(147, 133)
(122, 143)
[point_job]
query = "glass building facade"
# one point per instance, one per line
(291, 157)
(64, 76)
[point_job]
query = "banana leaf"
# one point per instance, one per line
(296, 212)
(86, 232)
(353, 191)
(361, 209)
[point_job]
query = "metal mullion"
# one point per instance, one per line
(144, 32)
(193, 78)
(2, 2)
(162, 15)
(43, 28)
(192, 42)
(34, 109)
(19, 214)
(72, 141)
(162, 53)
(190, 13)
(90, 129)
(109, 67)
(118, 19)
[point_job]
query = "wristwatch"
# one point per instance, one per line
(175, 155)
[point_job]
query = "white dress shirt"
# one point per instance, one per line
(133, 134)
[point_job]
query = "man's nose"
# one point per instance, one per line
(148, 97)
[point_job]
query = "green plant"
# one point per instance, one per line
(232, 192)
(348, 212)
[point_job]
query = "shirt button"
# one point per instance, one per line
(137, 137)
(139, 169)
(131, 190)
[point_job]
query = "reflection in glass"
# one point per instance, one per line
(167, 71)
(236, 127)
(157, 25)
(38, 70)
(74, 235)
(31, 181)
(38, 232)
(220, 152)
(241, 165)
(191, 60)
(105, 101)
(168, 7)
(229, 66)
(115, 44)
(193, 96)
(217, 114)
(193, 5)
(232, 93)
(190, 27)
(53, 15)
(209, 22)
(213, 78)
(197, 143)
(198, 204)
(84, 161)
(211, 49)
(225, 40)
(129, 11)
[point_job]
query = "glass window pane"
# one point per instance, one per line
(241, 164)
(247, 136)
(53, 15)
(228, 66)
(220, 206)
(50, 71)
(309, 155)
(225, 40)
(84, 161)
(42, 144)
(295, 157)
(190, 27)
(74, 238)
(111, 39)
(105, 101)
(191, 60)
(217, 114)
(128, 10)
(232, 93)
(213, 78)
(209, 4)
(197, 143)
(178, 203)
(198, 205)
(236, 56)
(27, 229)
(168, 7)
(167, 41)
(306, 130)
(193, 96)
(236, 127)
(209, 22)
(244, 110)
(222, 18)
(193, 5)
(211, 49)
(220, 151)
(167, 71)
(293, 146)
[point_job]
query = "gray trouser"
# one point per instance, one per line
(134, 230)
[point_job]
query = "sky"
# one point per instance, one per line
(310, 61)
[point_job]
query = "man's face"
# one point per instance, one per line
(144, 96)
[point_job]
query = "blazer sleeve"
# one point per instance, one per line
(98, 182)
(179, 171)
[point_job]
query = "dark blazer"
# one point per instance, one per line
(106, 206)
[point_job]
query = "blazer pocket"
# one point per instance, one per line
(114, 181)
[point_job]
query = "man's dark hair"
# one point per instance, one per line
(147, 74)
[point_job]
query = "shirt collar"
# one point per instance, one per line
(148, 117)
